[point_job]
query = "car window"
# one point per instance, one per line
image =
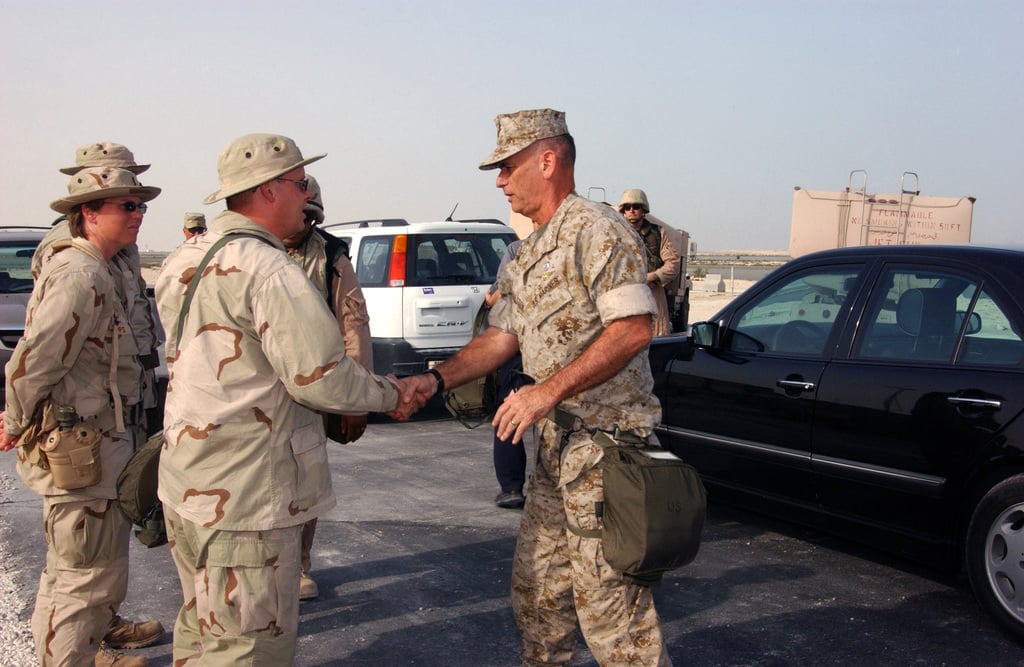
(372, 262)
(921, 314)
(15, 267)
(454, 259)
(990, 339)
(794, 317)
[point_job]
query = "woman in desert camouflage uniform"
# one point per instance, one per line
(78, 356)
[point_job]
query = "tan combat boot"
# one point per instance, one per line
(308, 589)
(128, 634)
(108, 657)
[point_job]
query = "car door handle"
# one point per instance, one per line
(795, 385)
(986, 403)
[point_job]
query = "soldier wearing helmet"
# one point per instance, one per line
(662, 257)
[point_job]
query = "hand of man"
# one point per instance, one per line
(353, 426)
(7, 441)
(522, 409)
(420, 388)
(413, 394)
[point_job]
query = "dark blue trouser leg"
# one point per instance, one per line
(509, 459)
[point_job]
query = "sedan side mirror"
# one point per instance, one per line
(705, 334)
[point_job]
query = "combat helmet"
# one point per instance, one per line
(634, 196)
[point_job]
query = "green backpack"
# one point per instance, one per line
(475, 402)
(136, 492)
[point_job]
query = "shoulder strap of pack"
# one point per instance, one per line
(194, 283)
(334, 248)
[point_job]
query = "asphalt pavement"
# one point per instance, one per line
(413, 567)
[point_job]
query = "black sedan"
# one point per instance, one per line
(872, 392)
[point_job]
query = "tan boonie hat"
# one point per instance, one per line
(195, 220)
(102, 183)
(634, 196)
(254, 160)
(518, 130)
(104, 154)
(315, 203)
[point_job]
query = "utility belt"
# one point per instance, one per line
(135, 414)
(570, 423)
(652, 515)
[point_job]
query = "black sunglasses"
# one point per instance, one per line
(129, 206)
(632, 207)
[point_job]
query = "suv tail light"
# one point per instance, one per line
(396, 272)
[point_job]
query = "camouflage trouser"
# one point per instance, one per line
(559, 577)
(84, 582)
(308, 533)
(241, 594)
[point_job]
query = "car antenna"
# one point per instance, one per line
(449, 218)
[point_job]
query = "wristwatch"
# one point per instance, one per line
(437, 376)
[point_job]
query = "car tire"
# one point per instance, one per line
(995, 554)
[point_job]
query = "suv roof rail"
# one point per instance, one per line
(400, 222)
(24, 227)
(382, 222)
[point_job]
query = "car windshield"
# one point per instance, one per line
(15, 266)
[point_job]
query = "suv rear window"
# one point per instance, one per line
(431, 259)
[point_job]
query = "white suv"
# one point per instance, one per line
(17, 244)
(424, 283)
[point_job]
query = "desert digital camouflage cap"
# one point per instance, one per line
(193, 220)
(315, 203)
(102, 183)
(518, 130)
(255, 159)
(104, 154)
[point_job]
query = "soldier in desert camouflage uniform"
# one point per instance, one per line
(131, 287)
(662, 257)
(575, 302)
(79, 351)
(195, 223)
(244, 463)
(345, 296)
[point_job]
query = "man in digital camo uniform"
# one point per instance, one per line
(244, 463)
(662, 257)
(348, 304)
(78, 359)
(575, 302)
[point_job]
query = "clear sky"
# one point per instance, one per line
(716, 108)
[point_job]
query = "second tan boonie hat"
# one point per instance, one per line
(102, 183)
(518, 130)
(104, 154)
(255, 159)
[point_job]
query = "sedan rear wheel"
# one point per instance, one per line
(995, 553)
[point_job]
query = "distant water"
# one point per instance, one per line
(743, 272)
